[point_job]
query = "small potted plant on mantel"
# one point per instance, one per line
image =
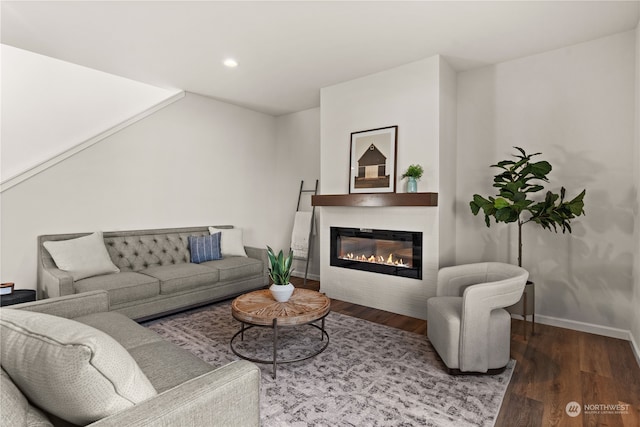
(413, 173)
(280, 272)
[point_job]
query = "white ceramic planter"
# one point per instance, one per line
(281, 293)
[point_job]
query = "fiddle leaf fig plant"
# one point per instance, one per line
(517, 183)
(280, 267)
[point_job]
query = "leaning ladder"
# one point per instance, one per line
(314, 192)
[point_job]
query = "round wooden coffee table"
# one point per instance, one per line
(258, 308)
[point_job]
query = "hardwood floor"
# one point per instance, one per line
(554, 367)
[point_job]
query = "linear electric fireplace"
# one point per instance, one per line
(398, 253)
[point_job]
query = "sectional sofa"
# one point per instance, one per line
(155, 274)
(70, 361)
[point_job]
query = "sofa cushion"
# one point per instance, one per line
(232, 268)
(167, 365)
(164, 364)
(122, 287)
(15, 409)
(82, 257)
(205, 248)
(231, 241)
(182, 277)
(121, 328)
(69, 369)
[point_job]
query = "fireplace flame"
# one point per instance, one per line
(390, 260)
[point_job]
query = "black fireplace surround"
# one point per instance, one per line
(397, 253)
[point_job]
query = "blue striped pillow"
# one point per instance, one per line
(205, 248)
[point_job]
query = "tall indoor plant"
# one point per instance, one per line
(280, 272)
(517, 182)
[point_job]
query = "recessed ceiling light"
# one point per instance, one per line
(230, 62)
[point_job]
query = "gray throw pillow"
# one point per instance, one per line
(15, 409)
(69, 369)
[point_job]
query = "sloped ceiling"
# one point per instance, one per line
(54, 97)
(51, 106)
(289, 50)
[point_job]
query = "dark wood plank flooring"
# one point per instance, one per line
(554, 367)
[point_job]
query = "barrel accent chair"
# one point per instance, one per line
(466, 320)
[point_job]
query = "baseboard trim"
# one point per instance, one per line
(309, 276)
(42, 166)
(585, 327)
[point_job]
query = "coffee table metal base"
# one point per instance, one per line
(275, 360)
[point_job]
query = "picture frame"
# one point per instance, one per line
(372, 163)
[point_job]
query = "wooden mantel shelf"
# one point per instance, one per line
(376, 200)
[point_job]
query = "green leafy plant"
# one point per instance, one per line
(519, 180)
(413, 171)
(280, 267)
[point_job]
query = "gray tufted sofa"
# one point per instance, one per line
(156, 276)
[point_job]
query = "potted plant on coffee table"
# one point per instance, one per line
(280, 272)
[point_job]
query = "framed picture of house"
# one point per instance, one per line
(372, 168)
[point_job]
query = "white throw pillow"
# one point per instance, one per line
(82, 257)
(69, 369)
(231, 243)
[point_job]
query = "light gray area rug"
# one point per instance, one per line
(369, 375)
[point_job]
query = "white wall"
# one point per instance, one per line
(575, 105)
(447, 158)
(196, 162)
(52, 105)
(298, 158)
(635, 327)
(406, 96)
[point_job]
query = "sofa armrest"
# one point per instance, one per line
(261, 254)
(70, 306)
(55, 282)
(228, 396)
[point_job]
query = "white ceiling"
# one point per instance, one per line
(289, 50)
